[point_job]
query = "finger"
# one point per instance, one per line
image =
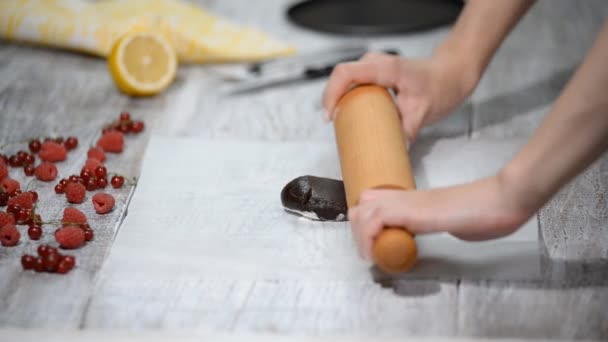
(369, 227)
(377, 57)
(345, 75)
(412, 209)
(413, 112)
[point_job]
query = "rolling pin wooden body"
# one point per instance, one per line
(373, 155)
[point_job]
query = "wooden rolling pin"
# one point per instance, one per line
(373, 155)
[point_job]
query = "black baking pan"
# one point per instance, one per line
(374, 17)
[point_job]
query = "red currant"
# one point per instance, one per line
(28, 262)
(71, 143)
(22, 215)
(34, 195)
(35, 146)
(63, 268)
(85, 174)
(137, 126)
(30, 218)
(125, 116)
(124, 128)
(63, 182)
(29, 170)
(91, 185)
(51, 261)
(88, 234)
(82, 181)
(50, 250)
(102, 183)
(14, 161)
(3, 198)
(13, 208)
(59, 189)
(42, 250)
(73, 179)
(34, 232)
(58, 140)
(117, 181)
(101, 171)
(39, 265)
(29, 159)
(21, 155)
(69, 260)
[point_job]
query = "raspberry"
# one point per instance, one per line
(9, 235)
(24, 200)
(70, 237)
(3, 169)
(10, 185)
(112, 141)
(75, 192)
(97, 153)
(103, 203)
(73, 216)
(46, 172)
(6, 219)
(52, 152)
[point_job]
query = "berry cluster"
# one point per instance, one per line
(74, 230)
(49, 260)
(49, 151)
(21, 206)
(125, 125)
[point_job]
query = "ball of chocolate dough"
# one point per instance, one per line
(316, 198)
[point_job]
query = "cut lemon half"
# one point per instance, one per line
(143, 63)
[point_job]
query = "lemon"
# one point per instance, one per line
(142, 63)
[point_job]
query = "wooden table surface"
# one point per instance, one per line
(45, 92)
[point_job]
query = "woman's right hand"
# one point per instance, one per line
(427, 90)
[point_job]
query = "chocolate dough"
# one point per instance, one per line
(315, 198)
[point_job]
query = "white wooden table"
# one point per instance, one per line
(46, 92)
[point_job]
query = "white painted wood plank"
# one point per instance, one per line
(187, 336)
(529, 311)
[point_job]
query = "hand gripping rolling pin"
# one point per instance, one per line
(373, 155)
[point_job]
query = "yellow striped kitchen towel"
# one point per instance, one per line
(93, 27)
